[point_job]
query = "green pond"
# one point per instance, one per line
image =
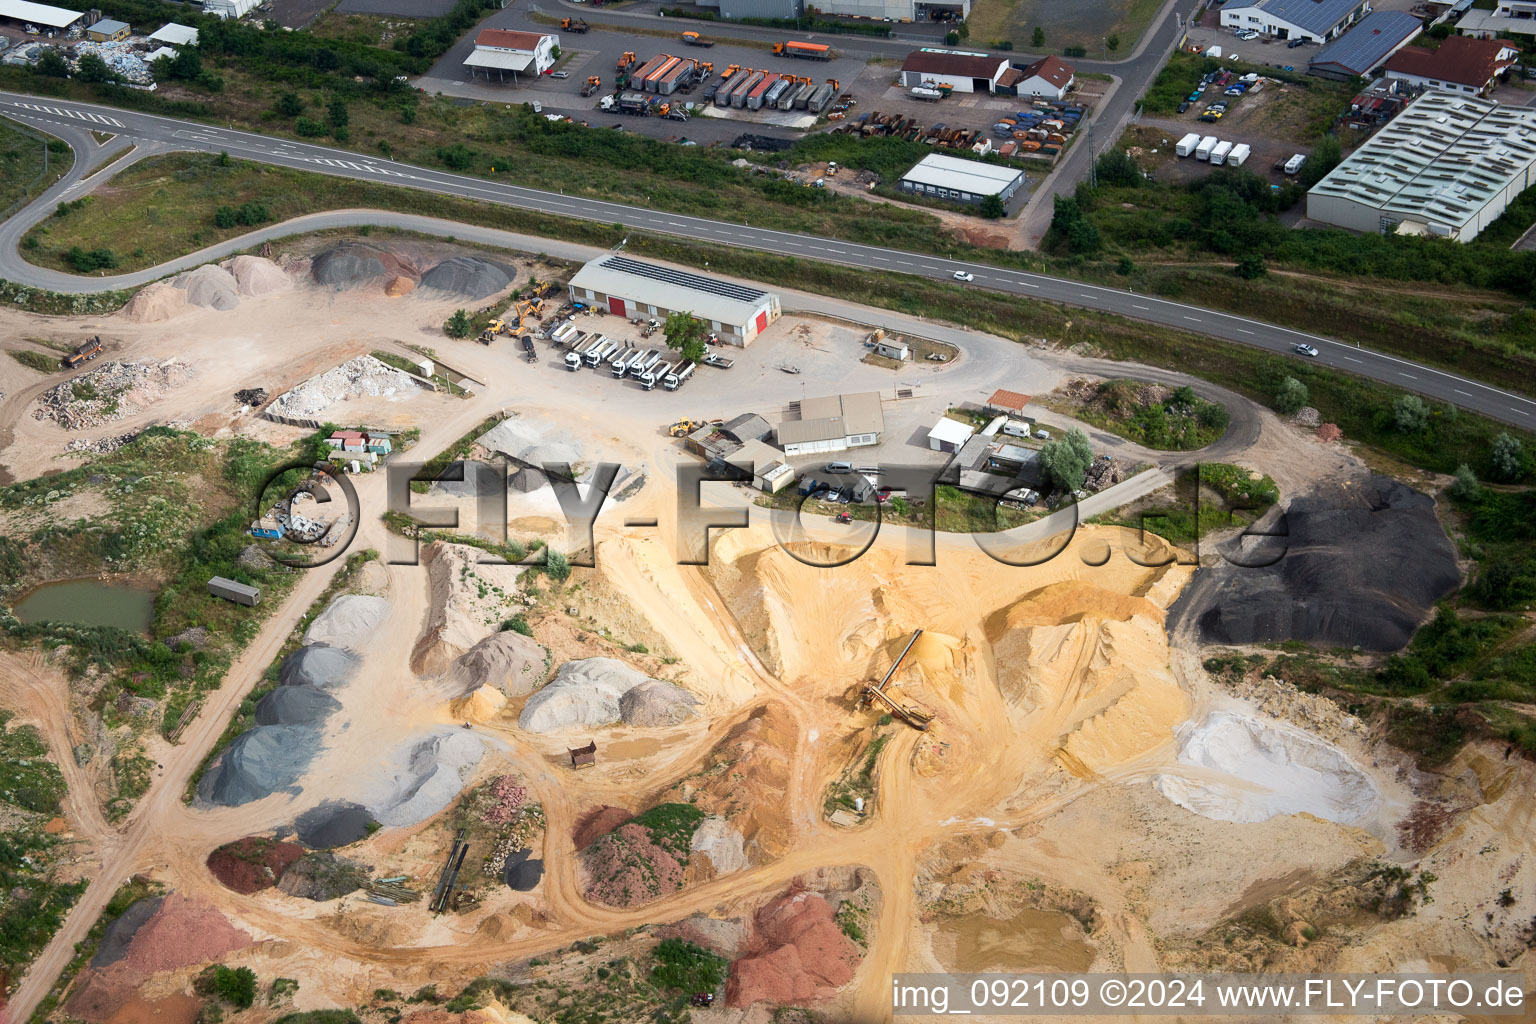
(89, 603)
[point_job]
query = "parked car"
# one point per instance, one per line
(1295, 43)
(1183, 105)
(559, 74)
(961, 275)
(1305, 349)
(1194, 97)
(1043, 435)
(839, 467)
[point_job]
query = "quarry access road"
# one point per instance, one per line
(171, 133)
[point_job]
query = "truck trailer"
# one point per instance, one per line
(650, 81)
(759, 94)
(1187, 144)
(1219, 153)
(1203, 151)
(772, 96)
(806, 51)
(1240, 153)
(739, 97)
(820, 98)
(679, 76)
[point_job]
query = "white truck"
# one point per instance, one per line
(595, 355)
(1219, 154)
(620, 363)
(656, 374)
(1240, 153)
(577, 355)
(1187, 144)
(1203, 151)
(678, 376)
(644, 363)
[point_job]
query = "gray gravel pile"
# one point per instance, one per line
(509, 661)
(332, 824)
(318, 665)
(262, 761)
(347, 265)
(469, 276)
(424, 777)
(656, 704)
(296, 705)
(349, 622)
(1361, 565)
(210, 286)
(590, 692)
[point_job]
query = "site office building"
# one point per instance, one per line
(629, 287)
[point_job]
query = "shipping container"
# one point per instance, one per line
(230, 590)
(739, 97)
(648, 82)
(680, 75)
(1187, 144)
(1203, 151)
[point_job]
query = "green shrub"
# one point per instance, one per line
(684, 967)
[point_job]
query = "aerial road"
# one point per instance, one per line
(154, 133)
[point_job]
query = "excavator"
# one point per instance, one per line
(684, 427)
(874, 693)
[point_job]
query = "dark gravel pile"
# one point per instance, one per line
(296, 705)
(260, 762)
(469, 276)
(317, 665)
(115, 940)
(332, 824)
(1363, 563)
(347, 265)
(520, 873)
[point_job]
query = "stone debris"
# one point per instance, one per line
(100, 446)
(252, 397)
(364, 375)
(129, 59)
(1105, 472)
(114, 391)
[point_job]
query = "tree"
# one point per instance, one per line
(1083, 238)
(1118, 168)
(1325, 157)
(289, 104)
(458, 325)
(1409, 415)
(1065, 462)
(1465, 487)
(992, 207)
(338, 113)
(51, 64)
(225, 217)
(1507, 458)
(1125, 267)
(236, 987)
(1112, 43)
(1037, 38)
(951, 38)
(1291, 395)
(91, 68)
(1251, 266)
(309, 127)
(685, 333)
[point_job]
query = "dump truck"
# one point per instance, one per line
(645, 363)
(577, 25)
(634, 103)
(82, 354)
(619, 365)
(595, 355)
(594, 83)
(576, 357)
(677, 375)
(656, 374)
(694, 39)
(808, 51)
(626, 61)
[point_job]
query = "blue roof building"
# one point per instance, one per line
(1367, 46)
(1317, 21)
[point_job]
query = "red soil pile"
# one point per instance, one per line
(183, 932)
(599, 821)
(743, 780)
(626, 868)
(177, 1009)
(252, 864)
(797, 954)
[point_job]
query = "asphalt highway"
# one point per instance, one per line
(170, 133)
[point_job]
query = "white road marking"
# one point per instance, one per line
(1134, 306)
(1408, 375)
(1353, 359)
(1241, 331)
(1193, 319)
(1461, 392)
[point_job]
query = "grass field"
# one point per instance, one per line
(21, 163)
(1087, 23)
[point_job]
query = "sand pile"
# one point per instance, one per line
(252, 864)
(1274, 769)
(509, 661)
(349, 622)
(742, 781)
(424, 777)
(209, 286)
(295, 705)
(113, 391)
(1362, 565)
(155, 303)
(657, 704)
(719, 845)
(469, 276)
(797, 954)
(318, 665)
(324, 875)
(257, 276)
(181, 932)
(588, 693)
(467, 598)
(480, 705)
(261, 761)
(357, 377)
(627, 868)
(332, 824)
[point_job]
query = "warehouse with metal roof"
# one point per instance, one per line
(1447, 166)
(1367, 46)
(20, 13)
(961, 181)
(629, 287)
(832, 423)
(1315, 20)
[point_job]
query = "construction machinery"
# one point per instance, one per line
(533, 355)
(83, 354)
(594, 83)
(694, 39)
(577, 25)
(806, 51)
(874, 694)
(684, 427)
(627, 61)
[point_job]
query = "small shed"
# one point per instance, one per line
(174, 34)
(348, 440)
(107, 30)
(268, 527)
(893, 348)
(773, 477)
(948, 435)
(230, 590)
(584, 757)
(377, 441)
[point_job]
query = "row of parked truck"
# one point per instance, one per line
(1213, 150)
(650, 367)
(751, 89)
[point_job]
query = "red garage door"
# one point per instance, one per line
(762, 322)
(615, 306)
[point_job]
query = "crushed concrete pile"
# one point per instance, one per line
(261, 761)
(181, 932)
(1274, 769)
(323, 875)
(468, 598)
(252, 864)
(114, 391)
(1360, 565)
(350, 622)
(628, 867)
(362, 376)
(469, 276)
(797, 954)
(155, 303)
(332, 824)
(1105, 472)
(423, 777)
(209, 286)
(296, 705)
(319, 666)
(509, 661)
(657, 704)
(355, 264)
(588, 692)
(717, 848)
(255, 276)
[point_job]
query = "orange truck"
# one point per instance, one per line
(807, 51)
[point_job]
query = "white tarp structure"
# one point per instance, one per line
(172, 34)
(38, 14)
(499, 60)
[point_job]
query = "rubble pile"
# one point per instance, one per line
(128, 59)
(364, 375)
(100, 446)
(1105, 472)
(114, 391)
(253, 397)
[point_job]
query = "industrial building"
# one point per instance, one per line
(1460, 64)
(1447, 166)
(1511, 17)
(172, 34)
(52, 20)
(1047, 77)
(228, 9)
(499, 50)
(960, 180)
(628, 287)
(893, 10)
(833, 424)
(1365, 47)
(733, 9)
(1316, 21)
(960, 70)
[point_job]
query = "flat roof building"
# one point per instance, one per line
(500, 50)
(1314, 20)
(959, 180)
(949, 435)
(962, 70)
(1512, 17)
(833, 424)
(107, 31)
(1447, 166)
(629, 287)
(1367, 46)
(20, 13)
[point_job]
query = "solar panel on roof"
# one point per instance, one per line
(724, 289)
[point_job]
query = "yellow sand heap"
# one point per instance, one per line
(480, 705)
